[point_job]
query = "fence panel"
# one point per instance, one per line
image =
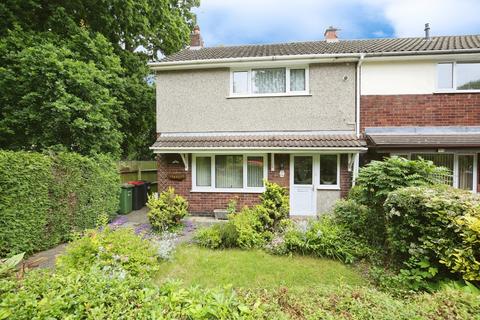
(139, 170)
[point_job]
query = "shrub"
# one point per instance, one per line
(251, 232)
(166, 210)
(209, 237)
(99, 295)
(431, 229)
(275, 205)
(363, 213)
(118, 250)
(322, 238)
(44, 197)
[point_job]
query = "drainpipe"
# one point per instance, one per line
(356, 161)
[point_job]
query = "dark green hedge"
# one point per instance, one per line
(43, 198)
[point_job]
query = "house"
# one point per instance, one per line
(305, 114)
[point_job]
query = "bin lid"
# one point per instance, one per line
(136, 182)
(126, 186)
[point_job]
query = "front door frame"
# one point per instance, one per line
(314, 175)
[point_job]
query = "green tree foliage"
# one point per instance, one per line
(73, 78)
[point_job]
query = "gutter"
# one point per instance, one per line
(255, 149)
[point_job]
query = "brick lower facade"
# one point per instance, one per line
(455, 109)
(171, 173)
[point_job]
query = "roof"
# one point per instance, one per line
(261, 141)
(424, 137)
(368, 46)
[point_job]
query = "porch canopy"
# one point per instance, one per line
(424, 137)
(268, 142)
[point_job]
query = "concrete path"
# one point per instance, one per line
(138, 221)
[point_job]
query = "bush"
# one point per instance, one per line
(43, 198)
(435, 230)
(363, 213)
(167, 210)
(322, 238)
(117, 250)
(275, 205)
(99, 295)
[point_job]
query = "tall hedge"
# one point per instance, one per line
(44, 197)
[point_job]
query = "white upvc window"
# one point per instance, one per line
(229, 172)
(275, 81)
(329, 171)
(458, 76)
(463, 167)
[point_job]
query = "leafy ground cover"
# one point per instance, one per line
(254, 269)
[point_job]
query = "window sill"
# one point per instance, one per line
(273, 95)
(332, 188)
(228, 190)
(456, 91)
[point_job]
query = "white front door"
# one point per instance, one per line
(302, 191)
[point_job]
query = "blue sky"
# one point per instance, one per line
(229, 22)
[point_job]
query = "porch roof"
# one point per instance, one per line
(415, 137)
(267, 141)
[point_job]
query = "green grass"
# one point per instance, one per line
(254, 269)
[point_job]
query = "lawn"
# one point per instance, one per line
(254, 269)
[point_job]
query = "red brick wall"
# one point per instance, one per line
(456, 109)
(206, 202)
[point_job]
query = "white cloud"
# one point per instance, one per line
(259, 21)
(446, 17)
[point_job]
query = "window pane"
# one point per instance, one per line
(268, 80)
(240, 82)
(297, 79)
(229, 171)
(440, 160)
(445, 76)
(204, 171)
(328, 169)
(468, 76)
(302, 169)
(465, 172)
(254, 171)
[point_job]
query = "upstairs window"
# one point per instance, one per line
(458, 76)
(269, 81)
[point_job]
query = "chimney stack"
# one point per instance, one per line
(196, 41)
(427, 31)
(331, 34)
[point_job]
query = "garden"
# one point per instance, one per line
(400, 246)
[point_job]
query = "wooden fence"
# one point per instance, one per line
(139, 170)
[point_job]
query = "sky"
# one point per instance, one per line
(231, 22)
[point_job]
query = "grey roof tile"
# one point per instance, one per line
(372, 46)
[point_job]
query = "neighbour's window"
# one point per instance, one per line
(229, 172)
(269, 81)
(465, 172)
(329, 170)
(458, 76)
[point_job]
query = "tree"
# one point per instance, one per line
(53, 94)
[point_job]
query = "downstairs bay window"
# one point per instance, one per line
(229, 173)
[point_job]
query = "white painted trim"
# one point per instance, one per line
(272, 165)
(356, 167)
(358, 88)
(212, 188)
(184, 157)
(314, 179)
(287, 92)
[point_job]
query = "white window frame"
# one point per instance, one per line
(212, 188)
(454, 78)
(317, 178)
(278, 94)
(455, 164)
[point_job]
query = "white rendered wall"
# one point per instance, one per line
(401, 77)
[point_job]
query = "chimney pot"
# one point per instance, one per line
(331, 34)
(196, 41)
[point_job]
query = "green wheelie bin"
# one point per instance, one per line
(126, 199)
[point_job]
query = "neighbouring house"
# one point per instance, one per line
(306, 114)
